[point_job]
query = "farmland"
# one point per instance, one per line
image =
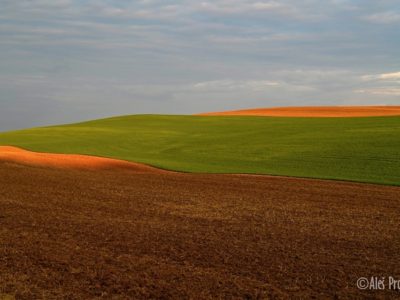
(85, 215)
(355, 149)
(73, 234)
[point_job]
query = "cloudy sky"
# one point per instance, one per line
(70, 60)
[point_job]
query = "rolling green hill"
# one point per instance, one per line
(357, 149)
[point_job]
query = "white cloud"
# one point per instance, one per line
(248, 7)
(389, 17)
(161, 12)
(384, 76)
(395, 75)
(384, 84)
(46, 3)
(270, 5)
(231, 85)
(380, 91)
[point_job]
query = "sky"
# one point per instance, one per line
(70, 60)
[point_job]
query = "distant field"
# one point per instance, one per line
(314, 111)
(357, 149)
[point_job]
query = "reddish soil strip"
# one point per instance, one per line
(314, 111)
(69, 161)
(120, 234)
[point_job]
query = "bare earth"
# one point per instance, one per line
(314, 111)
(133, 234)
(69, 161)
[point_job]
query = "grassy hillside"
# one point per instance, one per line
(359, 149)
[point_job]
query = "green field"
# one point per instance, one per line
(357, 149)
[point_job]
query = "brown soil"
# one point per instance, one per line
(120, 234)
(314, 111)
(69, 161)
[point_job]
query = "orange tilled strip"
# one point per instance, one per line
(314, 111)
(69, 161)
